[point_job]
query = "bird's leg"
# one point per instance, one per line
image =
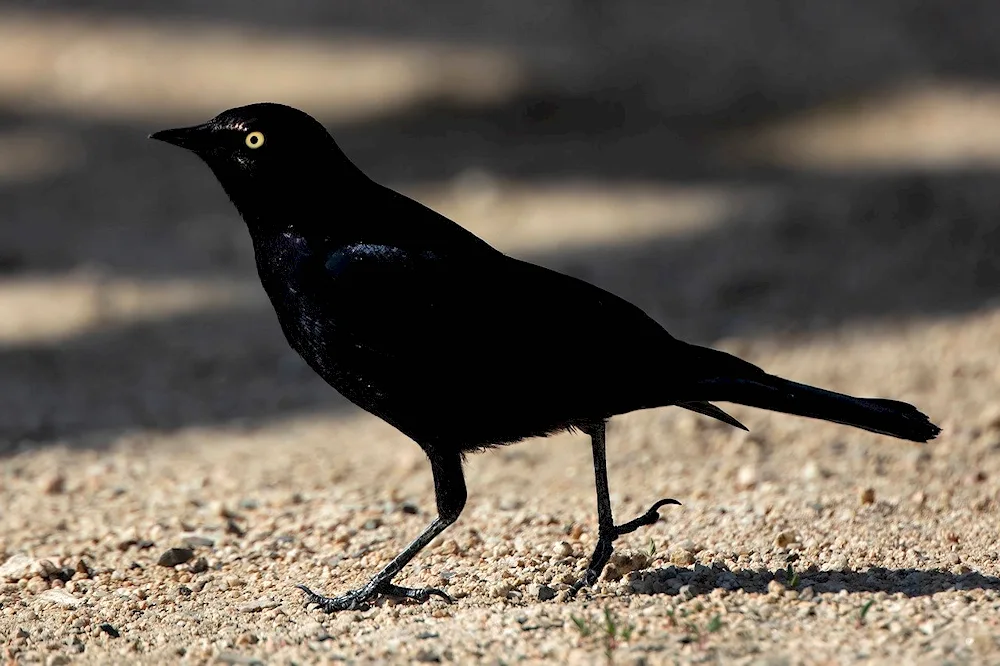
(605, 520)
(450, 493)
(607, 531)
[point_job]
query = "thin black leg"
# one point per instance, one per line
(607, 530)
(450, 493)
(605, 519)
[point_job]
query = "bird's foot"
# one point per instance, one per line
(360, 598)
(602, 553)
(590, 577)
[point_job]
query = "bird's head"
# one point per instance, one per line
(262, 152)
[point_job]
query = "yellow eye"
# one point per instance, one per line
(254, 140)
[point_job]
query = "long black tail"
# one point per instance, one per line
(734, 380)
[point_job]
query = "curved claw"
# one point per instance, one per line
(356, 599)
(420, 594)
(589, 578)
(651, 516)
(349, 601)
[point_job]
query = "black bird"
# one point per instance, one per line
(460, 347)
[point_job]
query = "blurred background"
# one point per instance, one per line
(742, 171)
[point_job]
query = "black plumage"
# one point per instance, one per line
(460, 347)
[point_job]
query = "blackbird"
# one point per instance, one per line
(459, 346)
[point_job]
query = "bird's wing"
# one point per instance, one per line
(575, 315)
(488, 316)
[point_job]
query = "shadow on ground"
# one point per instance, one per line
(227, 367)
(910, 582)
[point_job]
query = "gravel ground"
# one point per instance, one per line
(797, 543)
(170, 470)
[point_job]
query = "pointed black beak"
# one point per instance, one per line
(195, 138)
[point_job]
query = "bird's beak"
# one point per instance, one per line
(195, 138)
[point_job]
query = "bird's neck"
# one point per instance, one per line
(308, 206)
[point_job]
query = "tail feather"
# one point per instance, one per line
(708, 409)
(745, 384)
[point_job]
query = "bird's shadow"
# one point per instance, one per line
(701, 580)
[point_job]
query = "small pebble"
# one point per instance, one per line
(246, 638)
(197, 541)
(448, 547)
(562, 549)
(544, 593)
(43, 568)
(746, 477)
(60, 597)
(785, 539)
(681, 557)
(53, 484)
(175, 556)
(17, 567)
(499, 590)
(811, 471)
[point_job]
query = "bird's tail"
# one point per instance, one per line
(731, 379)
